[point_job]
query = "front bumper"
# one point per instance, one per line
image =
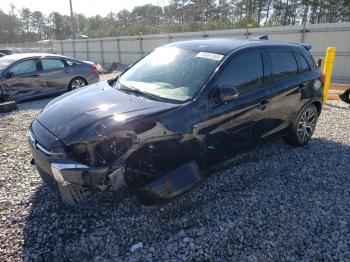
(73, 182)
(80, 185)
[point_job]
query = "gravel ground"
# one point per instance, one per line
(271, 204)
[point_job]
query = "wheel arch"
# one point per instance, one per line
(290, 138)
(318, 105)
(76, 77)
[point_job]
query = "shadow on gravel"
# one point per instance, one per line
(275, 201)
(343, 106)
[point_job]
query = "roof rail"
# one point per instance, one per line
(264, 37)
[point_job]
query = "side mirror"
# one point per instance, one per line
(112, 81)
(9, 74)
(319, 63)
(227, 93)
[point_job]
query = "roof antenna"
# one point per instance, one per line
(264, 37)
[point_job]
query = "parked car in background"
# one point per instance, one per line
(6, 51)
(28, 76)
(171, 116)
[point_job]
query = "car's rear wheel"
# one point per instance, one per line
(303, 127)
(8, 106)
(76, 83)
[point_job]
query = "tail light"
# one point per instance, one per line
(93, 68)
(323, 79)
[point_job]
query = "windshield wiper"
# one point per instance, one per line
(134, 90)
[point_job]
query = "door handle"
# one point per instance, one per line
(263, 105)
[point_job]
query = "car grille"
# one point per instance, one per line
(49, 181)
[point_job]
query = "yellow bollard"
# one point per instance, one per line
(327, 71)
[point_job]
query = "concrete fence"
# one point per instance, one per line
(128, 49)
(29, 47)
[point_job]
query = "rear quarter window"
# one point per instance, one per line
(283, 64)
(304, 65)
(71, 63)
(312, 61)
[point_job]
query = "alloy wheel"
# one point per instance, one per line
(77, 83)
(306, 125)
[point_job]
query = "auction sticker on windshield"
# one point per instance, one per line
(210, 56)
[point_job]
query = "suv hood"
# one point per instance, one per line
(77, 111)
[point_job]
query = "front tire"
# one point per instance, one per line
(303, 127)
(76, 83)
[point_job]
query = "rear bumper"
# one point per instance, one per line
(92, 78)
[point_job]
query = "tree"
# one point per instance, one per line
(38, 21)
(25, 16)
(124, 18)
(178, 16)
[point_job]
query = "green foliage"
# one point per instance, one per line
(178, 16)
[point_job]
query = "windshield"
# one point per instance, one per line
(171, 73)
(5, 62)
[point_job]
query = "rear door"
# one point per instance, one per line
(24, 83)
(283, 86)
(54, 75)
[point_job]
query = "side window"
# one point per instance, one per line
(312, 60)
(27, 66)
(70, 63)
(283, 64)
(244, 71)
(303, 63)
(51, 63)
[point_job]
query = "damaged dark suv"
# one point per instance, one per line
(164, 122)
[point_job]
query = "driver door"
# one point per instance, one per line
(23, 81)
(239, 122)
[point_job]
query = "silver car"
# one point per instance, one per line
(28, 76)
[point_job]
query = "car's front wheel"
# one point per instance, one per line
(303, 127)
(76, 83)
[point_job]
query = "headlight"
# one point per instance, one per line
(100, 153)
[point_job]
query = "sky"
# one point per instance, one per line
(86, 7)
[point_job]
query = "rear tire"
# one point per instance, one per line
(303, 127)
(6, 107)
(77, 83)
